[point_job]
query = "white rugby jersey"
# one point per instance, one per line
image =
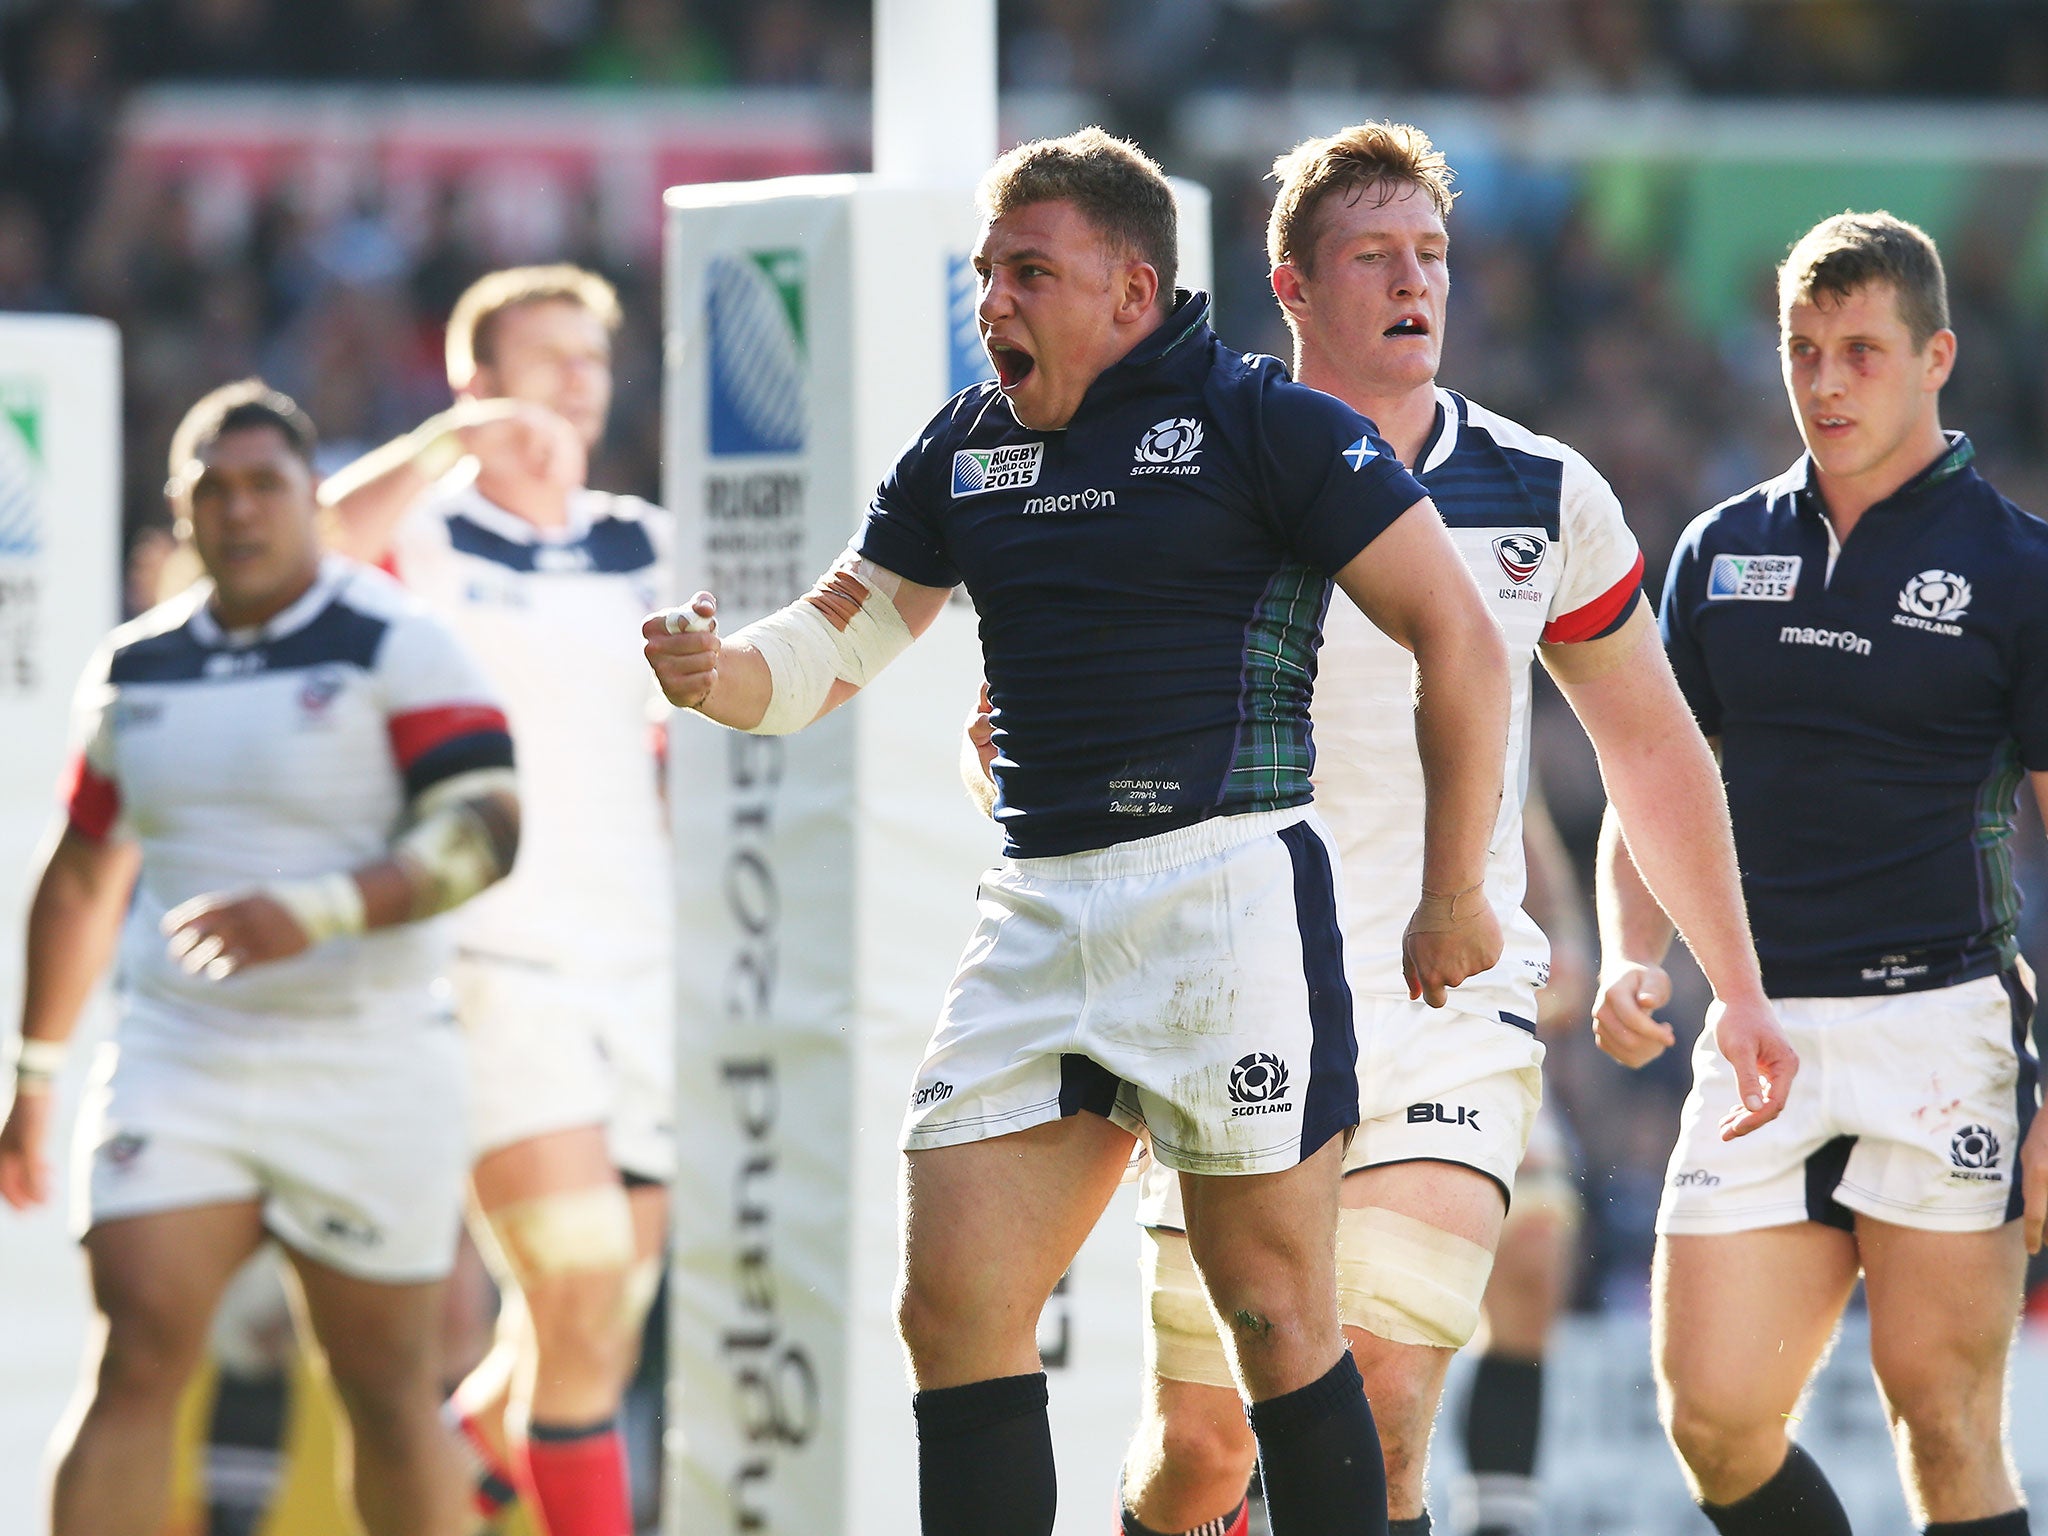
(1545, 538)
(554, 616)
(280, 752)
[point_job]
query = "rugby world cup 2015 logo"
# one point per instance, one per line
(754, 309)
(21, 468)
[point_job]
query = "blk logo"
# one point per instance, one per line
(1424, 1114)
(351, 1230)
(931, 1093)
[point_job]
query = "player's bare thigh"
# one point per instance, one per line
(1266, 1247)
(1739, 1320)
(1405, 1380)
(988, 1229)
(1943, 1310)
(558, 1162)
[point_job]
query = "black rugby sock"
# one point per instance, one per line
(1419, 1526)
(245, 1451)
(1319, 1458)
(1797, 1501)
(2012, 1523)
(1503, 1414)
(984, 1458)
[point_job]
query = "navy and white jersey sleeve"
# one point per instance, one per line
(442, 713)
(1335, 484)
(2030, 682)
(1681, 642)
(905, 528)
(91, 791)
(1603, 574)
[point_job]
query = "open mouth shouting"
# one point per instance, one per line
(1408, 325)
(1013, 364)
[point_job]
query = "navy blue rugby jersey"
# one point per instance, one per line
(1877, 703)
(1151, 579)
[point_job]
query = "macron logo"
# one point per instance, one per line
(1359, 452)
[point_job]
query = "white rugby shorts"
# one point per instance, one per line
(352, 1137)
(1434, 1084)
(1908, 1107)
(551, 1048)
(1188, 986)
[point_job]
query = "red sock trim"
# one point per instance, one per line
(493, 1489)
(578, 1478)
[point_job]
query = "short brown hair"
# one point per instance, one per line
(234, 408)
(1851, 250)
(1111, 182)
(1352, 161)
(475, 316)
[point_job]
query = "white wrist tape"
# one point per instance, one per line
(845, 628)
(434, 452)
(36, 1063)
(326, 907)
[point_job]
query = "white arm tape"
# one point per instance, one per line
(325, 907)
(36, 1063)
(459, 840)
(806, 651)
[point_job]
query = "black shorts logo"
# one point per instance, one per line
(1258, 1083)
(931, 1093)
(1974, 1146)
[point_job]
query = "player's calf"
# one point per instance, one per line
(1191, 1458)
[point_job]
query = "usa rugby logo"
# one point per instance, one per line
(1938, 595)
(977, 470)
(1520, 555)
(754, 310)
(1169, 448)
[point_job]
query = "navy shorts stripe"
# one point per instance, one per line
(1824, 1170)
(2023, 1088)
(1086, 1084)
(1331, 1103)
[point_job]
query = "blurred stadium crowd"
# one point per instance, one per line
(340, 302)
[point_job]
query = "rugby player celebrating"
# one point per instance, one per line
(1866, 639)
(1448, 1098)
(283, 1064)
(1160, 951)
